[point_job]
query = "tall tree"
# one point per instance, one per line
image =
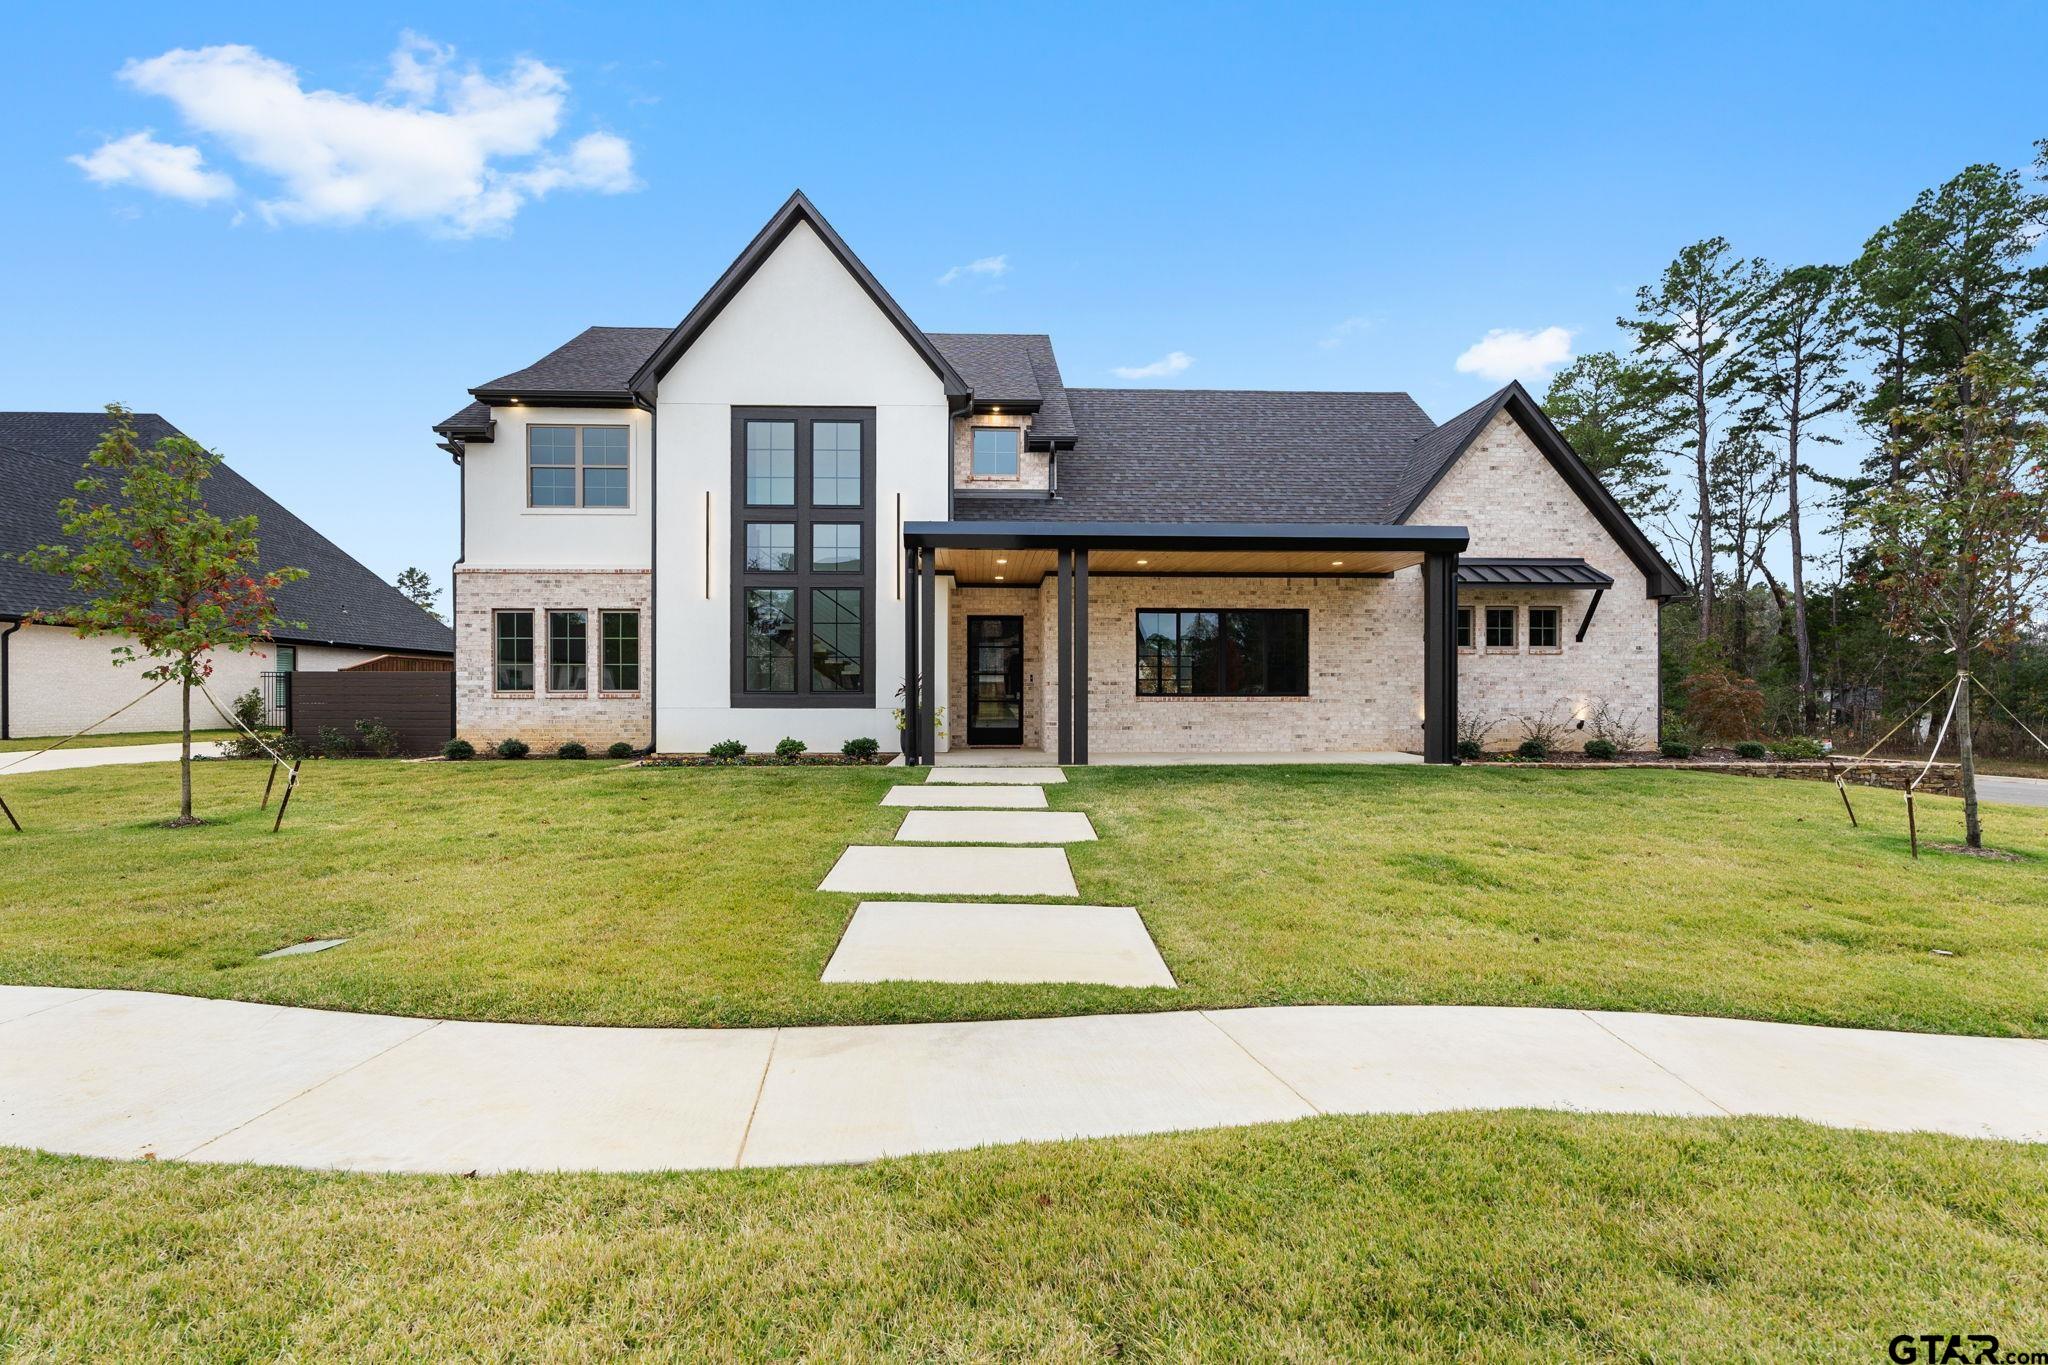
(1748, 483)
(1619, 417)
(1961, 543)
(1692, 326)
(1801, 377)
(1887, 300)
(158, 568)
(420, 591)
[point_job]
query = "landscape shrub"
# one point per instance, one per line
(727, 751)
(1750, 749)
(1799, 746)
(1602, 749)
(249, 712)
(1672, 748)
(379, 738)
(1469, 749)
(572, 750)
(1722, 704)
(458, 750)
(1611, 724)
(1535, 746)
(292, 747)
(861, 748)
(513, 748)
(1545, 730)
(621, 749)
(789, 748)
(336, 742)
(1473, 729)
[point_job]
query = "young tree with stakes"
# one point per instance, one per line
(1960, 544)
(157, 567)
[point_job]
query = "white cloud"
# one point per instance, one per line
(1173, 362)
(989, 267)
(443, 146)
(1343, 332)
(160, 167)
(1505, 354)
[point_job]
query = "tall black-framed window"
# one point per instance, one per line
(568, 651)
(1230, 653)
(803, 508)
(621, 657)
(513, 632)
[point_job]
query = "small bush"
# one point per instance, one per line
(789, 748)
(619, 750)
(249, 712)
(572, 750)
(336, 742)
(513, 748)
(861, 748)
(1468, 749)
(1672, 748)
(1622, 729)
(1473, 729)
(1799, 746)
(1749, 748)
(1535, 746)
(459, 750)
(1545, 729)
(1602, 749)
(727, 751)
(379, 738)
(292, 747)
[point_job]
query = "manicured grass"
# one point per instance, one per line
(583, 892)
(1487, 1236)
(202, 740)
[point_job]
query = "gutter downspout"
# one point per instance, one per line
(455, 582)
(6, 682)
(653, 572)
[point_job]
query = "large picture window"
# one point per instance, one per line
(577, 467)
(1223, 653)
(803, 525)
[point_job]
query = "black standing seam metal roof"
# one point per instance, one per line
(1530, 573)
(340, 601)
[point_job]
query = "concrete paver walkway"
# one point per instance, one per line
(967, 798)
(1101, 945)
(870, 869)
(124, 1074)
(995, 827)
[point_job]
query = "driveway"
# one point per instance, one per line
(2013, 791)
(13, 765)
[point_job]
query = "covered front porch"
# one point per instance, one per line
(1098, 642)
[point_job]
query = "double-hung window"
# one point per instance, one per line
(567, 651)
(1222, 653)
(803, 531)
(578, 467)
(1500, 627)
(514, 646)
(620, 670)
(995, 452)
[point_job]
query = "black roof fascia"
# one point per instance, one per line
(1660, 579)
(796, 209)
(558, 398)
(1147, 535)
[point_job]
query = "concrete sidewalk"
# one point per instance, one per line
(102, 756)
(128, 1074)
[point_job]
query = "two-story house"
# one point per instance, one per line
(760, 522)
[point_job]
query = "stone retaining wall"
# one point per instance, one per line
(1943, 779)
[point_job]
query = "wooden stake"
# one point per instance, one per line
(290, 784)
(269, 782)
(1912, 829)
(1843, 788)
(10, 816)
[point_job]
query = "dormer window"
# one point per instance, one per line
(995, 452)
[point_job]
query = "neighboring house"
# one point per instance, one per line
(759, 522)
(52, 682)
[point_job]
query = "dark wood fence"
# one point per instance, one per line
(419, 706)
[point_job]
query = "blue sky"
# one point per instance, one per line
(1288, 197)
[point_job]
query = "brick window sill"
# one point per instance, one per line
(618, 696)
(1546, 649)
(512, 696)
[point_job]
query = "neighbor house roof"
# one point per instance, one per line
(42, 455)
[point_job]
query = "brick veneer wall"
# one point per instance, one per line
(988, 601)
(542, 718)
(1034, 467)
(1517, 506)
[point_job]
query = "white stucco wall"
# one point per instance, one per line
(58, 682)
(803, 333)
(502, 532)
(1516, 505)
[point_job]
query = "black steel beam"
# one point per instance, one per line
(911, 681)
(1439, 658)
(1063, 651)
(1081, 657)
(1587, 619)
(928, 672)
(1206, 536)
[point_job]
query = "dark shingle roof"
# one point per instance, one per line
(1226, 455)
(42, 454)
(1434, 452)
(597, 361)
(1013, 367)
(475, 417)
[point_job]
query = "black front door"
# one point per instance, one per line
(995, 680)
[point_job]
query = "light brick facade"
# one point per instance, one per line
(542, 717)
(1034, 467)
(987, 601)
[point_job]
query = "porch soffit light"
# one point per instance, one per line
(1144, 561)
(1336, 563)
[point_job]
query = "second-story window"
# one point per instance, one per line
(995, 452)
(578, 467)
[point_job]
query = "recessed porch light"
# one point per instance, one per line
(1336, 563)
(999, 578)
(1144, 561)
(1002, 561)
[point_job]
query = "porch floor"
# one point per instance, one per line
(992, 758)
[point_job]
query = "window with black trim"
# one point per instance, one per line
(1543, 627)
(513, 632)
(568, 646)
(1500, 627)
(578, 467)
(804, 521)
(1464, 627)
(995, 452)
(620, 661)
(1222, 653)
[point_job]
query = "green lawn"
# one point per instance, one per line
(1491, 1236)
(583, 892)
(202, 740)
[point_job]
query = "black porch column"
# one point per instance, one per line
(1081, 656)
(911, 682)
(1063, 649)
(1439, 658)
(927, 644)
